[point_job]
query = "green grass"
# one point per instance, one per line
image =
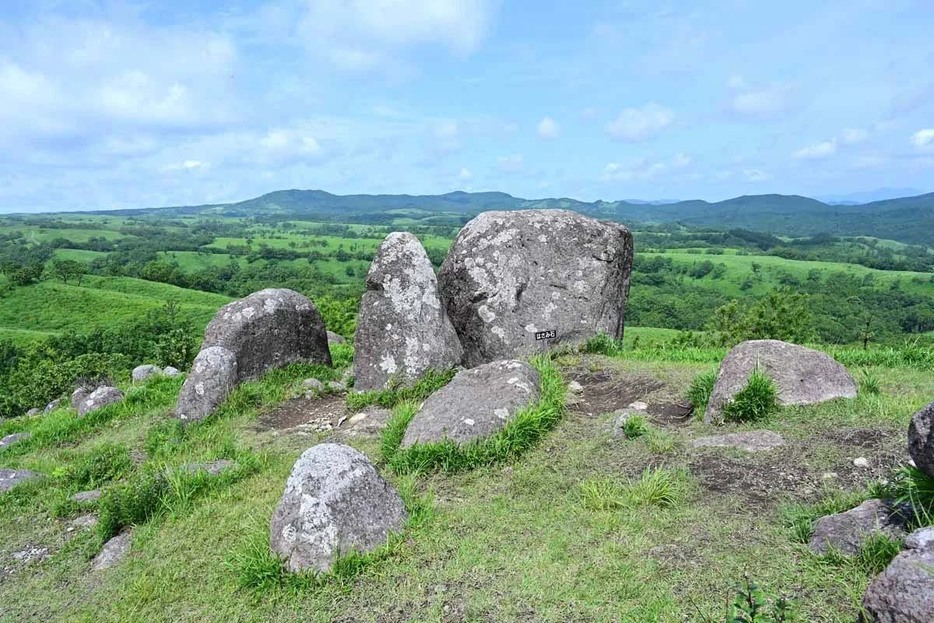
(700, 390)
(521, 433)
(756, 401)
(429, 383)
(635, 426)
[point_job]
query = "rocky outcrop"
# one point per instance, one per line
(921, 439)
(904, 592)
(334, 502)
(517, 283)
(269, 329)
(475, 404)
(847, 531)
(213, 376)
(802, 376)
(98, 399)
(141, 373)
(402, 329)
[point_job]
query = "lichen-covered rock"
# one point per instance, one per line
(99, 398)
(143, 372)
(213, 376)
(513, 277)
(10, 478)
(921, 439)
(334, 502)
(402, 328)
(52, 406)
(171, 372)
(269, 329)
(33, 412)
(475, 404)
(847, 531)
(78, 396)
(904, 592)
(113, 552)
(802, 376)
(747, 441)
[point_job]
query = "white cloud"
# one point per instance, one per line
(639, 124)
(511, 164)
(736, 82)
(548, 128)
(187, 165)
(852, 136)
(816, 151)
(643, 168)
(763, 102)
(364, 34)
(923, 138)
(464, 174)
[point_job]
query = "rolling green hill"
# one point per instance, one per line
(909, 219)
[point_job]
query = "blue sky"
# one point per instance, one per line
(135, 104)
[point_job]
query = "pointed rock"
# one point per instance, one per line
(213, 376)
(402, 329)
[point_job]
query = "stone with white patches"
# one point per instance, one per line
(535, 270)
(475, 404)
(213, 376)
(98, 399)
(334, 502)
(402, 328)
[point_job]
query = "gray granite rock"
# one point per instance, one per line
(334, 502)
(921, 439)
(9, 440)
(847, 531)
(171, 371)
(512, 277)
(52, 406)
(10, 478)
(78, 396)
(402, 328)
(113, 552)
(213, 376)
(802, 376)
(475, 404)
(335, 338)
(98, 399)
(904, 592)
(141, 373)
(34, 412)
(83, 497)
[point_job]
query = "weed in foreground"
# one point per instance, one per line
(700, 390)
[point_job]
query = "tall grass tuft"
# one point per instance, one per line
(519, 435)
(754, 402)
(700, 390)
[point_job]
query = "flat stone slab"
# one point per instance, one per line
(9, 440)
(113, 552)
(10, 478)
(747, 441)
(475, 404)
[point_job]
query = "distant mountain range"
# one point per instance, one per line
(907, 219)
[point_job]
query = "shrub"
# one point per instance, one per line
(635, 426)
(750, 605)
(869, 384)
(101, 465)
(700, 390)
(754, 402)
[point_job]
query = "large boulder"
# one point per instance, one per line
(904, 592)
(921, 439)
(517, 283)
(334, 502)
(402, 328)
(269, 329)
(846, 532)
(213, 376)
(475, 404)
(802, 376)
(98, 399)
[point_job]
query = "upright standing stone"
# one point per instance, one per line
(402, 329)
(213, 376)
(517, 283)
(921, 439)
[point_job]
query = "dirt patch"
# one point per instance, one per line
(605, 391)
(871, 438)
(763, 483)
(671, 413)
(324, 412)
